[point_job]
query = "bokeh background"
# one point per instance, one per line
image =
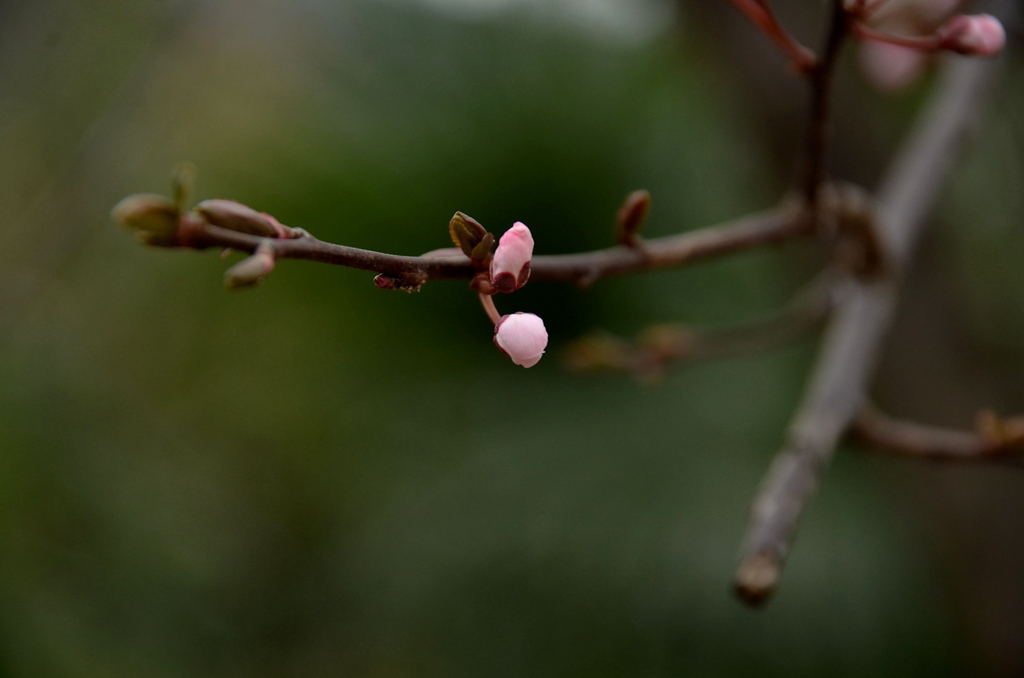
(318, 478)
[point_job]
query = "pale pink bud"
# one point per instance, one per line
(973, 35)
(510, 267)
(522, 337)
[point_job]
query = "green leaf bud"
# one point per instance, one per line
(155, 218)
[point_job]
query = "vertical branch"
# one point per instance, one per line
(821, 89)
(839, 382)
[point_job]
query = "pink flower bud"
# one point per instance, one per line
(510, 268)
(973, 35)
(522, 337)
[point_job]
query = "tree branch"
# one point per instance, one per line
(880, 432)
(837, 386)
(584, 268)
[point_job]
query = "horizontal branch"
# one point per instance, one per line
(584, 268)
(881, 432)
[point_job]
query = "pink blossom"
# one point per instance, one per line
(973, 35)
(522, 337)
(510, 268)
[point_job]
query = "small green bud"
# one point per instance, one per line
(467, 233)
(483, 248)
(235, 216)
(153, 216)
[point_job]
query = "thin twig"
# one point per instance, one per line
(761, 15)
(660, 345)
(489, 308)
(583, 268)
(821, 90)
(927, 43)
(838, 384)
(880, 432)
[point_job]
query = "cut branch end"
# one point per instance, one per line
(757, 578)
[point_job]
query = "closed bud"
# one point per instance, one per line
(235, 216)
(280, 229)
(973, 35)
(250, 271)
(153, 216)
(467, 234)
(483, 248)
(632, 216)
(510, 268)
(522, 337)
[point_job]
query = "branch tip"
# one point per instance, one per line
(757, 578)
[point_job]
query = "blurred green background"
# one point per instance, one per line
(319, 478)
